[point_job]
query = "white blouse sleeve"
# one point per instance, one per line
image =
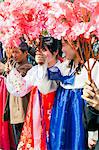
(18, 85)
(93, 135)
(36, 76)
(44, 84)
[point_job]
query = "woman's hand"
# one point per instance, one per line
(40, 58)
(7, 67)
(91, 94)
(91, 143)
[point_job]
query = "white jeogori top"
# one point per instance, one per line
(36, 76)
(81, 78)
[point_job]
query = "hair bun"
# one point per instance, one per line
(48, 40)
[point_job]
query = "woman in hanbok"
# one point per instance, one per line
(66, 127)
(35, 133)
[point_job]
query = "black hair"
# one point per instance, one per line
(78, 69)
(51, 43)
(22, 39)
(23, 46)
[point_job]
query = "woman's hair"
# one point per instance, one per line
(78, 69)
(52, 44)
(23, 46)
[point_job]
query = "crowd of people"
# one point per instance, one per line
(46, 100)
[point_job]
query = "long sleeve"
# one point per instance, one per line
(36, 76)
(93, 135)
(18, 85)
(44, 84)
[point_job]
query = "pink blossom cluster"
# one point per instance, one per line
(72, 20)
(60, 18)
(21, 17)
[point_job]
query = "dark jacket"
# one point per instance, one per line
(91, 121)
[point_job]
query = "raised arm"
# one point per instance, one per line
(18, 85)
(45, 85)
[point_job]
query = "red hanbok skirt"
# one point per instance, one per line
(27, 139)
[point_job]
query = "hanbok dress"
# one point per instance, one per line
(66, 126)
(35, 133)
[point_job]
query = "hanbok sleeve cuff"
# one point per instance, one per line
(42, 71)
(15, 83)
(43, 83)
(93, 135)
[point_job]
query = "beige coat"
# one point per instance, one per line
(18, 108)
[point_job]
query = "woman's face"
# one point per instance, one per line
(67, 49)
(49, 56)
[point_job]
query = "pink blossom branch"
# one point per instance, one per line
(93, 64)
(80, 50)
(87, 55)
(91, 50)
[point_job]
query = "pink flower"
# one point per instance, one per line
(22, 17)
(60, 18)
(79, 28)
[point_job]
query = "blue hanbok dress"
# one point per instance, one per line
(66, 127)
